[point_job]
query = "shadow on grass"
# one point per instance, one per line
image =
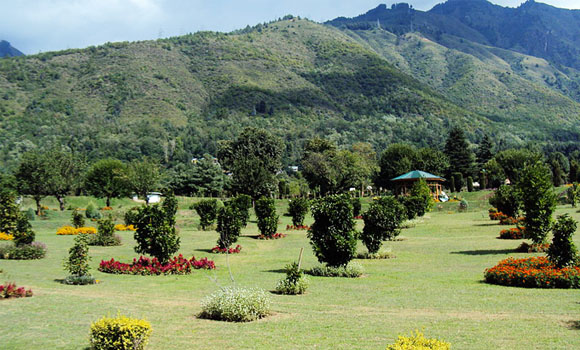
(488, 224)
(575, 325)
(203, 250)
(486, 252)
(276, 271)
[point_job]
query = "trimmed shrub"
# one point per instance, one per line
(131, 216)
(77, 219)
(77, 263)
(229, 226)
(469, 184)
(23, 234)
(207, 210)
(333, 234)
(508, 200)
(418, 341)
(295, 281)
(562, 251)
(573, 193)
(382, 221)
(376, 256)
(35, 250)
(356, 206)
(9, 211)
(236, 304)
(267, 218)
(242, 203)
(297, 209)
(352, 270)
(105, 236)
(419, 200)
(92, 212)
(79, 280)
(120, 333)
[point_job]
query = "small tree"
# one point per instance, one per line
(143, 177)
(23, 233)
(107, 178)
(34, 177)
(382, 222)
(508, 200)
(267, 217)
(77, 219)
(419, 200)
(155, 230)
(539, 200)
(573, 193)
(562, 251)
(77, 263)
(469, 184)
(105, 234)
(458, 180)
(298, 208)
(333, 234)
(242, 203)
(8, 211)
(207, 210)
(229, 226)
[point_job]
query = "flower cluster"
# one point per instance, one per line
(69, 230)
(508, 220)
(299, 227)
(230, 250)
(121, 227)
(6, 237)
(106, 208)
(274, 236)
(358, 217)
(535, 272)
(533, 248)
(146, 266)
(10, 290)
(512, 233)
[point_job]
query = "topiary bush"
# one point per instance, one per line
(333, 234)
(242, 203)
(297, 209)
(508, 200)
(229, 226)
(295, 281)
(77, 219)
(236, 304)
(562, 251)
(105, 235)
(23, 234)
(120, 333)
(382, 221)
(92, 212)
(267, 218)
(418, 341)
(207, 210)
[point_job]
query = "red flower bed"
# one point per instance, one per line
(235, 250)
(274, 236)
(535, 272)
(299, 227)
(512, 233)
(533, 248)
(9, 290)
(508, 220)
(146, 266)
(358, 217)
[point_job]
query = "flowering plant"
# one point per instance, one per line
(121, 227)
(230, 250)
(6, 237)
(69, 230)
(145, 266)
(512, 233)
(274, 236)
(299, 227)
(9, 290)
(534, 272)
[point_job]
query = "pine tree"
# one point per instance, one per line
(460, 156)
(484, 151)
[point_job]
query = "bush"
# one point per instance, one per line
(77, 219)
(131, 216)
(35, 250)
(120, 333)
(419, 200)
(236, 304)
(92, 212)
(30, 214)
(207, 210)
(508, 200)
(469, 184)
(242, 203)
(377, 255)
(297, 209)
(178, 265)
(512, 233)
(229, 226)
(535, 272)
(295, 281)
(9, 211)
(105, 236)
(10, 290)
(79, 280)
(382, 221)
(352, 270)
(356, 206)
(267, 217)
(219, 250)
(23, 234)
(418, 342)
(333, 235)
(562, 251)
(463, 205)
(77, 263)
(156, 234)
(573, 193)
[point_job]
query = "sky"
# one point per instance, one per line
(34, 26)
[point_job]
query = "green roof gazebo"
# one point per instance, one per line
(404, 182)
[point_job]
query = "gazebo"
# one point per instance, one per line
(404, 182)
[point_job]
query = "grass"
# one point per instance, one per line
(434, 284)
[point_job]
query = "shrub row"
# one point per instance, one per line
(145, 266)
(35, 250)
(535, 272)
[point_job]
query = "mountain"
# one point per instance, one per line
(7, 50)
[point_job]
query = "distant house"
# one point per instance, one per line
(293, 168)
(154, 197)
(405, 182)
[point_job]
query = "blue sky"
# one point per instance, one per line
(35, 26)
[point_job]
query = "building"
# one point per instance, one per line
(404, 183)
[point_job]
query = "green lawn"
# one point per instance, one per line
(434, 284)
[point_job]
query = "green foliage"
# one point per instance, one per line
(207, 209)
(143, 177)
(35, 250)
(573, 193)
(382, 221)
(242, 203)
(513, 161)
(92, 212)
(267, 217)
(458, 181)
(508, 200)
(107, 178)
(295, 281)
(352, 270)
(356, 206)
(562, 251)
(470, 184)
(155, 230)
(298, 208)
(30, 215)
(484, 151)
(66, 173)
(205, 177)
(130, 216)
(539, 201)
(23, 233)
(77, 263)
(461, 158)
(105, 235)
(77, 219)
(396, 160)
(463, 205)
(120, 333)
(229, 225)
(79, 280)
(333, 234)
(236, 304)
(419, 200)
(34, 176)
(9, 211)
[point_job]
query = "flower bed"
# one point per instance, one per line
(274, 236)
(9, 290)
(496, 215)
(533, 248)
(6, 237)
(146, 266)
(299, 227)
(535, 272)
(508, 220)
(106, 208)
(235, 250)
(358, 217)
(69, 231)
(512, 233)
(121, 227)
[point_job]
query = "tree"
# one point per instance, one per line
(207, 209)
(267, 217)
(562, 251)
(396, 160)
(107, 178)
(318, 165)
(508, 200)
(461, 158)
(34, 177)
(513, 161)
(77, 263)
(9, 211)
(574, 171)
(253, 158)
(494, 174)
(242, 204)
(205, 177)
(432, 161)
(366, 164)
(419, 200)
(298, 208)
(23, 233)
(484, 151)
(539, 200)
(143, 177)
(333, 234)
(66, 174)
(382, 221)
(229, 226)
(556, 173)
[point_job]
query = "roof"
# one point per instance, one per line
(417, 174)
